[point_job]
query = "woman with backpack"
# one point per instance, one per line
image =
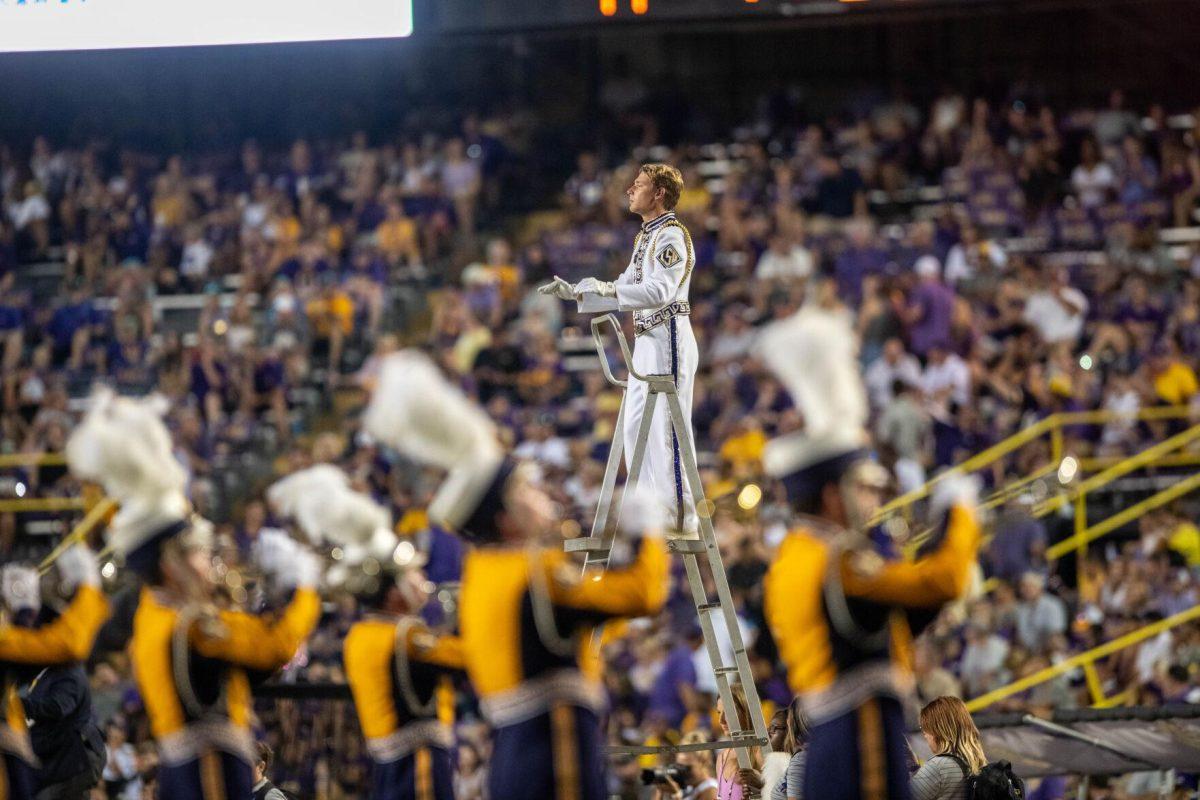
(957, 752)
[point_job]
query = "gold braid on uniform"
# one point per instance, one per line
(687, 241)
(181, 646)
(543, 610)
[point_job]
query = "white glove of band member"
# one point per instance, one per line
(78, 567)
(951, 491)
(281, 557)
(21, 588)
(596, 287)
(558, 288)
(641, 513)
(308, 569)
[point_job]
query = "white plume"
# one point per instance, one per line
(330, 512)
(123, 445)
(415, 410)
(814, 353)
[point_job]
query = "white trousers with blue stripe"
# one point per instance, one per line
(669, 349)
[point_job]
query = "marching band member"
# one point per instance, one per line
(525, 614)
(397, 668)
(843, 617)
(66, 639)
(655, 288)
(192, 657)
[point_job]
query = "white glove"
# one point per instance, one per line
(21, 588)
(78, 567)
(281, 557)
(307, 569)
(596, 287)
(641, 513)
(559, 288)
(951, 491)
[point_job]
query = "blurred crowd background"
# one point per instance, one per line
(1005, 259)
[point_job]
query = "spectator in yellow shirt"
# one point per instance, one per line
(1184, 539)
(1174, 381)
(743, 450)
(397, 237)
(331, 314)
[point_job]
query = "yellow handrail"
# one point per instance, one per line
(1052, 424)
(1082, 659)
(8, 460)
(79, 532)
(47, 504)
(1097, 463)
(1090, 533)
(975, 462)
(1149, 455)
(1010, 490)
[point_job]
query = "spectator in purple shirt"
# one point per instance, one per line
(862, 257)
(931, 310)
(1019, 541)
(72, 326)
(678, 677)
(840, 192)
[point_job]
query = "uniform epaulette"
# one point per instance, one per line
(687, 241)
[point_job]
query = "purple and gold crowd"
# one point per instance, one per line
(1003, 261)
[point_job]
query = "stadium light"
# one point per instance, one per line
(608, 7)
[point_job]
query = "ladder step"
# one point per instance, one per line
(708, 607)
(726, 670)
(685, 546)
(586, 544)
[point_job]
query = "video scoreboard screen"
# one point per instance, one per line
(31, 25)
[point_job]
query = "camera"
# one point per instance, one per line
(680, 773)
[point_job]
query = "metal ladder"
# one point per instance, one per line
(598, 546)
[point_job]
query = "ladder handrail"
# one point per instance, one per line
(598, 338)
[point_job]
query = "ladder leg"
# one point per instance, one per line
(724, 686)
(615, 454)
(740, 656)
(643, 436)
(635, 467)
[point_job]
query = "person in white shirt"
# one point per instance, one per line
(31, 209)
(1093, 180)
(543, 446)
(120, 775)
(946, 379)
(197, 255)
(1040, 615)
(1121, 398)
(655, 288)
(894, 365)
(1058, 310)
(967, 258)
(783, 260)
(983, 659)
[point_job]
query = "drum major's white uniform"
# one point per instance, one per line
(655, 288)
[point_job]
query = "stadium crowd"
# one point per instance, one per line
(1003, 262)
